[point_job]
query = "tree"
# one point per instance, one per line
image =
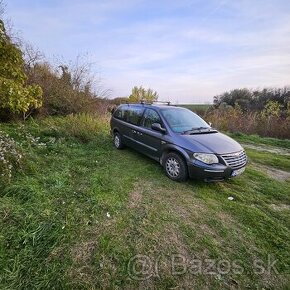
(254, 100)
(15, 95)
(139, 93)
(272, 109)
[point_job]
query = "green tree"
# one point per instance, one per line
(139, 93)
(15, 95)
(272, 109)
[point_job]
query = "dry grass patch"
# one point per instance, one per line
(280, 207)
(135, 196)
(82, 253)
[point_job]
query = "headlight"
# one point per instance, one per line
(206, 158)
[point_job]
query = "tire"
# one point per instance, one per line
(175, 167)
(118, 143)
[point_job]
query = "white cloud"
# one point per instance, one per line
(190, 52)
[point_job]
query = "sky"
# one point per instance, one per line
(186, 50)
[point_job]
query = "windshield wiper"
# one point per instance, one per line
(199, 130)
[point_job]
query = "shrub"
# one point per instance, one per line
(84, 127)
(272, 109)
(67, 89)
(15, 95)
(10, 157)
(234, 120)
(255, 100)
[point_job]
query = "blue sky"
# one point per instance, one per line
(187, 50)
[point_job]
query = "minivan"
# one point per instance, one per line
(181, 141)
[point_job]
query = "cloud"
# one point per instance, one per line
(186, 50)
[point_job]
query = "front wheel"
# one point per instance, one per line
(175, 167)
(118, 141)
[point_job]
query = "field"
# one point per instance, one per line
(200, 109)
(79, 214)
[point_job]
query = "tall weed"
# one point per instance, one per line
(84, 127)
(234, 120)
(10, 157)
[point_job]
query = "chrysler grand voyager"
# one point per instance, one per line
(182, 142)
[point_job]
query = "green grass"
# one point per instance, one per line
(255, 139)
(55, 232)
(197, 108)
(274, 160)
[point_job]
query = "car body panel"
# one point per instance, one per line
(217, 143)
(149, 142)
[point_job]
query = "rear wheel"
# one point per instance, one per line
(175, 167)
(118, 143)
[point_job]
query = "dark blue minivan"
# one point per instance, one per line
(182, 142)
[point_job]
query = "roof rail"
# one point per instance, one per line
(144, 102)
(163, 102)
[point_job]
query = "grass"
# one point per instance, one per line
(78, 211)
(255, 139)
(274, 160)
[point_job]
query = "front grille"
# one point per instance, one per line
(235, 160)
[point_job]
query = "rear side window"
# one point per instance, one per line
(120, 113)
(130, 114)
(150, 117)
(135, 115)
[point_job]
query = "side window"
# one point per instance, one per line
(130, 114)
(120, 113)
(135, 115)
(150, 117)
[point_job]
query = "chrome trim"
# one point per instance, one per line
(235, 160)
(209, 170)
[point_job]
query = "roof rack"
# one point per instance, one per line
(143, 102)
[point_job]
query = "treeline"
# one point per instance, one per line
(255, 100)
(265, 112)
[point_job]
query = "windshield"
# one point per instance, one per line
(181, 120)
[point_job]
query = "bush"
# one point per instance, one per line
(254, 100)
(71, 90)
(264, 123)
(15, 95)
(265, 112)
(10, 157)
(84, 127)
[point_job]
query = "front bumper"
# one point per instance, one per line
(215, 172)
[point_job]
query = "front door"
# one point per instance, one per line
(149, 140)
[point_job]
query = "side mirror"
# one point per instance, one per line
(210, 124)
(157, 127)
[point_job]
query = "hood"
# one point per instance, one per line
(211, 143)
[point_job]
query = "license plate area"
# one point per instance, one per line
(238, 172)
